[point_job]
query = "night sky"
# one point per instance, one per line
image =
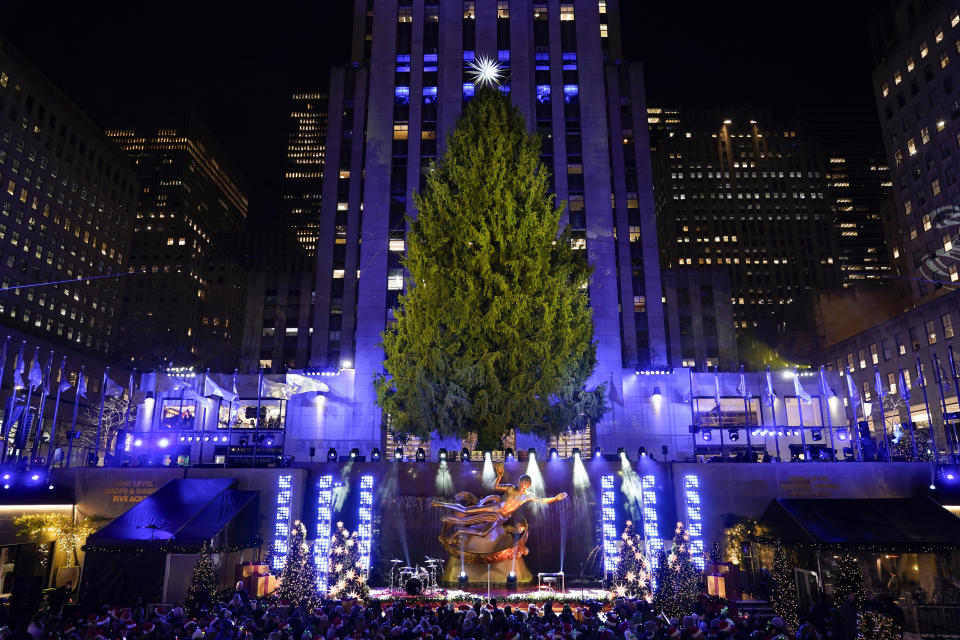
(135, 64)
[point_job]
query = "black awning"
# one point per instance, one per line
(184, 514)
(882, 522)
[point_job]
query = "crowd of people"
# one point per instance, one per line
(241, 617)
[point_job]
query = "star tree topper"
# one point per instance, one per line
(486, 71)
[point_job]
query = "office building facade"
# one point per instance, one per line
(917, 87)
(185, 307)
(67, 203)
(743, 193)
(390, 111)
(700, 327)
(303, 172)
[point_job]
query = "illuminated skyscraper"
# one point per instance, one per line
(188, 310)
(917, 86)
(390, 111)
(303, 175)
(737, 191)
(67, 202)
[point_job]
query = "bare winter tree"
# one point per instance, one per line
(114, 421)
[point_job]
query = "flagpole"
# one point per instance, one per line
(76, 407)
(746, 415)
(3, 365)
(21, 437)
(803, 435)
(905, 394)
(126, 418)
(851, 385)
(103, 398)
(257, 423)
(44, 392)
(956, 382)
(773, 414)
(926, 404)
(203, 421)
(943, 406)
(693, 416)
(825, 395)
(56, 409)
(878, 383)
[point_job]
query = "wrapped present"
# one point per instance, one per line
(247, 569)
(717, 586)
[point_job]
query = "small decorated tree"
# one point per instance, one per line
(783, 596)
(299, 581)
(347, 577)
(849, 580)
(203, 584)
(872, 625)
(632, 576)
(678, 579)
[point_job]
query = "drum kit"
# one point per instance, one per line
(416, 580)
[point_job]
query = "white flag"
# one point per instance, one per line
(81, 385)
(801, 394)
(211, 388)
(35, 377)
(852, 390)
(19, 369)
(111, 388)
(770, 395)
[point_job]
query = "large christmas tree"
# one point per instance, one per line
(631, 577)
(494, 331)
(783, 596)
(678, 579)
(347, 578)
(849, 579)
(203, 583)
(299, 581)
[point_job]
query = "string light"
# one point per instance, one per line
(324, 521)
(365, 521)
(608, 524)
(281, 530)
(651, 529)
(691, 490)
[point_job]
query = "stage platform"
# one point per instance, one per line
(521, 596)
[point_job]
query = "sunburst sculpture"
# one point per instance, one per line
(486, 71)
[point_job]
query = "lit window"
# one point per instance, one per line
(603, 30)
(941, 125)
(169, 242)
(344, 173)
(897, 78)
(924, 50)
(944, 60)
(931, 332)
(911, 147)
(896, 253)
(935, 187)
(927, 223)
(566, 12)
(396, 244)
(939, 37)
(908, 207)
(910, 64)
(399, 130)
(925, 135)
(947, 242)
(955, 19)
(954, 275)
(395, 280)
(885, 89)
(947, 326)
(338, 274)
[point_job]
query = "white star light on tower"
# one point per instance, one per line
(486, 71)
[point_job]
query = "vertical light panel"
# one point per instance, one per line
(324, 521)
(281, 530)
(691, 490)
(365, 521)
(651, 528)
(608, 525)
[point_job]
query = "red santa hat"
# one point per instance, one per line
(148, 627)
(125, 614)
(160, 610)
(673, 631)
(463, 607)
(510, 635)
(452, 634)
(70, 628)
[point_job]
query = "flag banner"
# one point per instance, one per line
(802, 395)
(852, 390)
(306, 384)
(111, 388)
(18, 370)
(769, 395)
(279, 390)
(35, 377)
(81, 385)
(878, 385)
(211, 388)
(904, 389)
(742, 385)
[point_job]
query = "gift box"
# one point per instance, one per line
(247, 569)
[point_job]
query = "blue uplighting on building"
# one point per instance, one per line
(365, 521)
(324, 522)
(281, 530)
(691, 491)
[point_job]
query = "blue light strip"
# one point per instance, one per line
(281, 530)
(324, 521)
(691, 490)
(608, 525)
(365, 521)
(651, 529)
